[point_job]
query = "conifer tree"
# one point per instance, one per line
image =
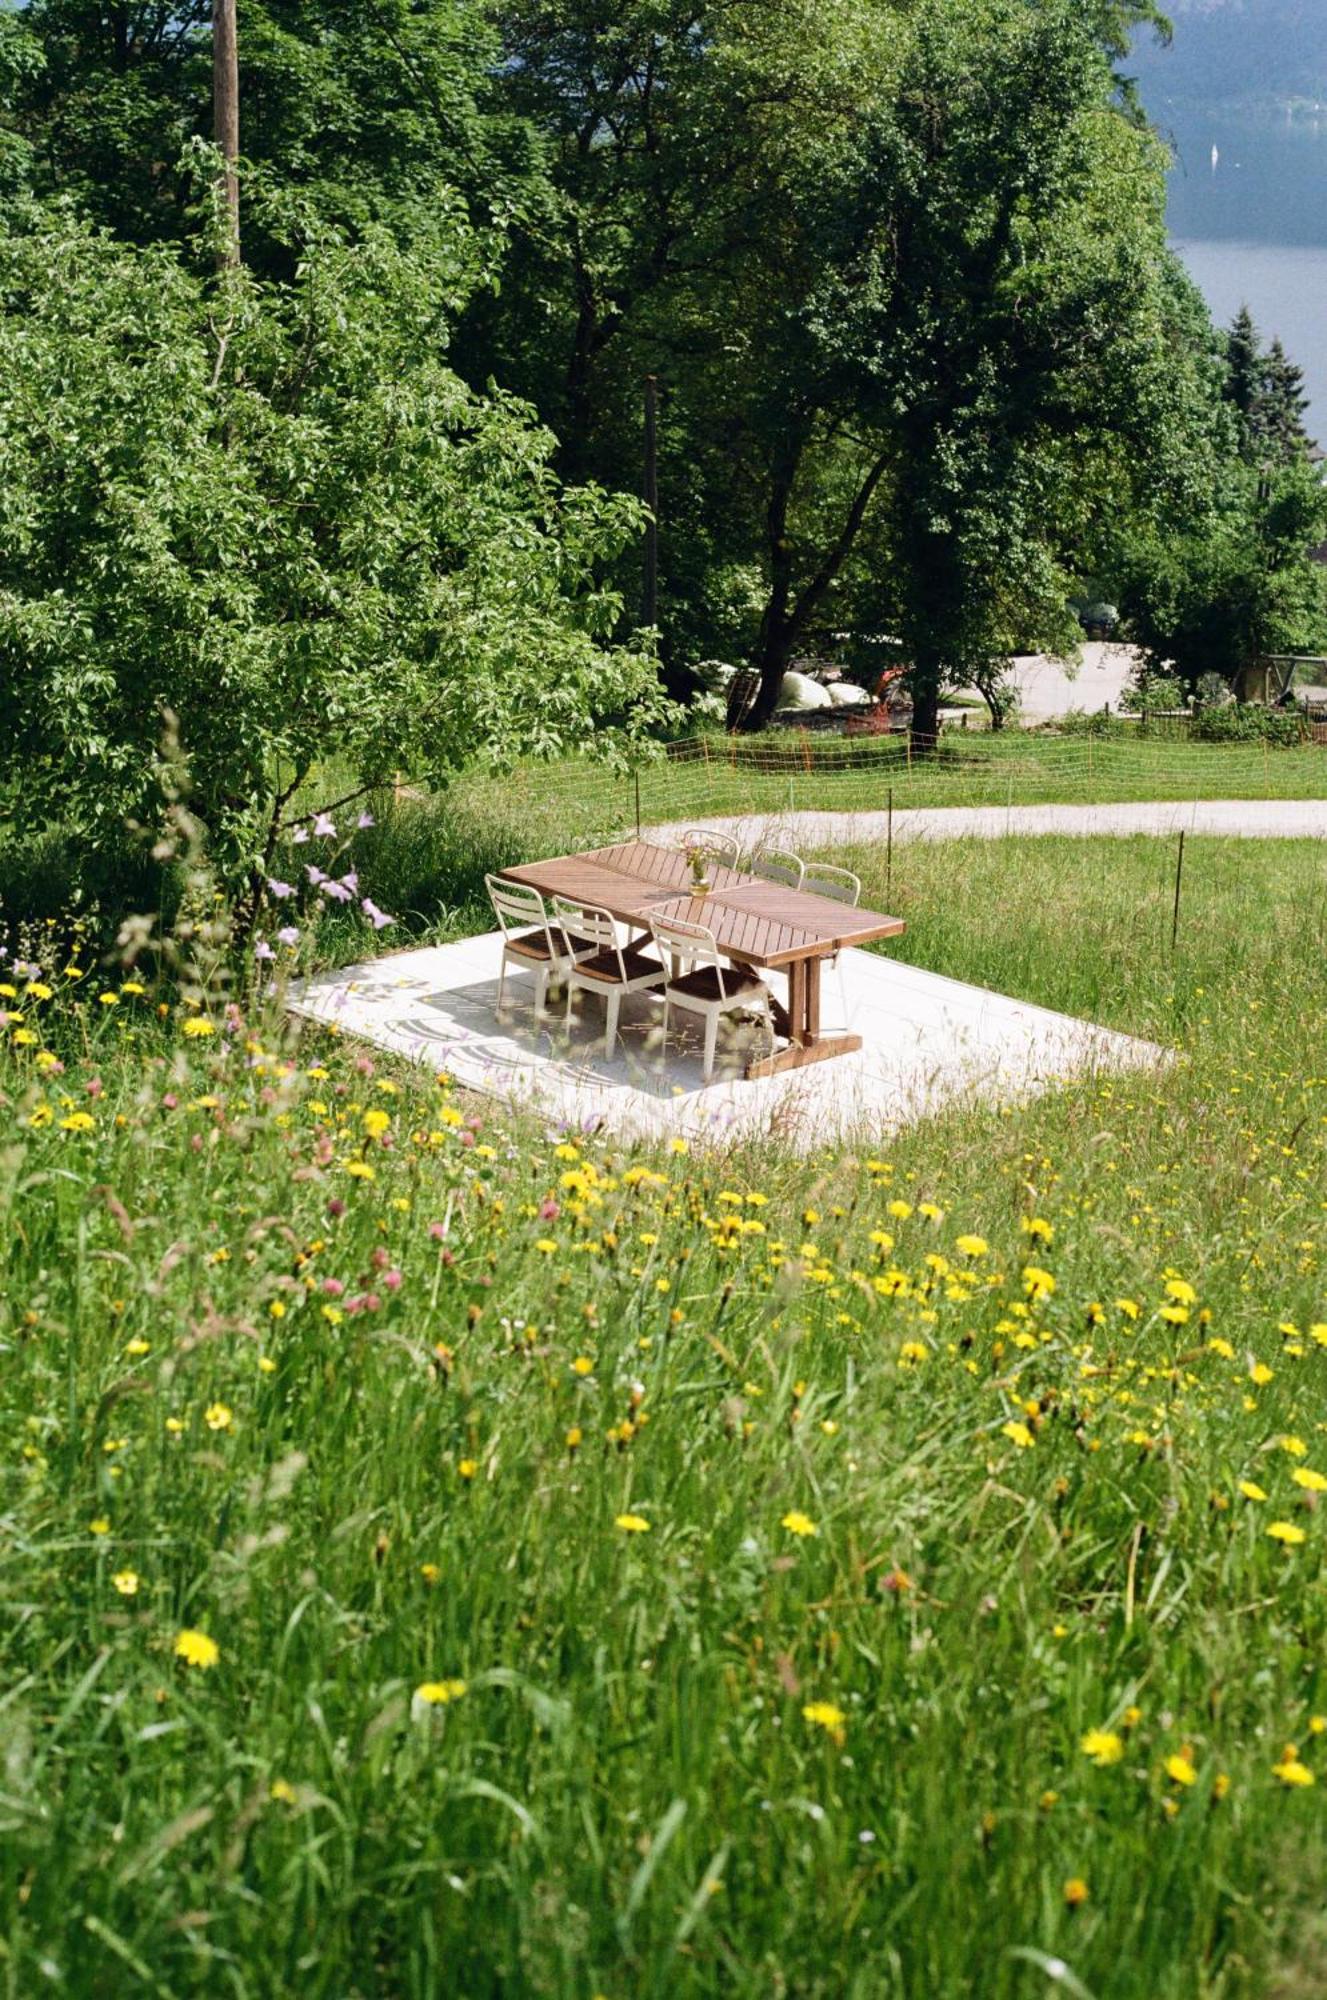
(1284, 402)
(1244, 364)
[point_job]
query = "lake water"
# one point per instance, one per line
(1253, 228)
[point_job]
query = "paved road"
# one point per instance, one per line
(1250, 819)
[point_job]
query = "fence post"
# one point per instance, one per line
(1179, 878)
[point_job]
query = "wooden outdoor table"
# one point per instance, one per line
(753, 922)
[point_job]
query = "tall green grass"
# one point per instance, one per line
(723, 777)
(360, 1382)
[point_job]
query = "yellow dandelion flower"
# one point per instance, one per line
(1312, 1482)
(1251, 1490)
(219, 1417)
(197, 1028)
(632, 1524)
(798, 1523)
(825, 1715)
(196, 1649)
(1103, 1746)
(1180, 1768)
(126, 1582)
(1076, 1891)
(1286, 1533)
(101, 1526)
(436, 1694)
(1291, 1771)
(1018, 1434)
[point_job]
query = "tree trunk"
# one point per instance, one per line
(226, 121)
(787, 615)
(777, 628)
(924, 682)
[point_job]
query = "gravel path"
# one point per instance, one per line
(1249, 819)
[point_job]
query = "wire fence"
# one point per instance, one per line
(709, 778)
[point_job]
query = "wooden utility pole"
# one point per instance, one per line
(650, 607)
(226, 119)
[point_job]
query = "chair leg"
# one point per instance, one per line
(571, 995)
(502, 982)
(663, 1039)
(711, 1041)
(540, 989)
(610, 1024)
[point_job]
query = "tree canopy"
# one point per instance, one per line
(276, 511)
(925, 359)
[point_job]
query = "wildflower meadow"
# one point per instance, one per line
(442, 1554)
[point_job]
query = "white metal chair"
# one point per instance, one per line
(543, 948)
(776, 864)
(724, 847)
(610, 967)
(821, 878)
(710, 987)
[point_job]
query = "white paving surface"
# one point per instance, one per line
(1250, 819)
(927, 1041)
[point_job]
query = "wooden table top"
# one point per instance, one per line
(753, 921)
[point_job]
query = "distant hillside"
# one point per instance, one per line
(1238, 51)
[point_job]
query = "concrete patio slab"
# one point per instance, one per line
(927, 1041)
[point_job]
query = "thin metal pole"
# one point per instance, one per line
(651, 602)
(636, 776)
(1179, 878)
(889, 845)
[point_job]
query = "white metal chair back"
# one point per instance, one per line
(724, 847)
(595, 926)
(776, 864)
(694, 947)
(519, 909)
(823, 879)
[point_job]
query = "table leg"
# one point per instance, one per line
(806, 1044)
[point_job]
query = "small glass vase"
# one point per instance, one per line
(699, 887)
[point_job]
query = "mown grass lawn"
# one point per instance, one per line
(783, 771)
(441, 1556)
